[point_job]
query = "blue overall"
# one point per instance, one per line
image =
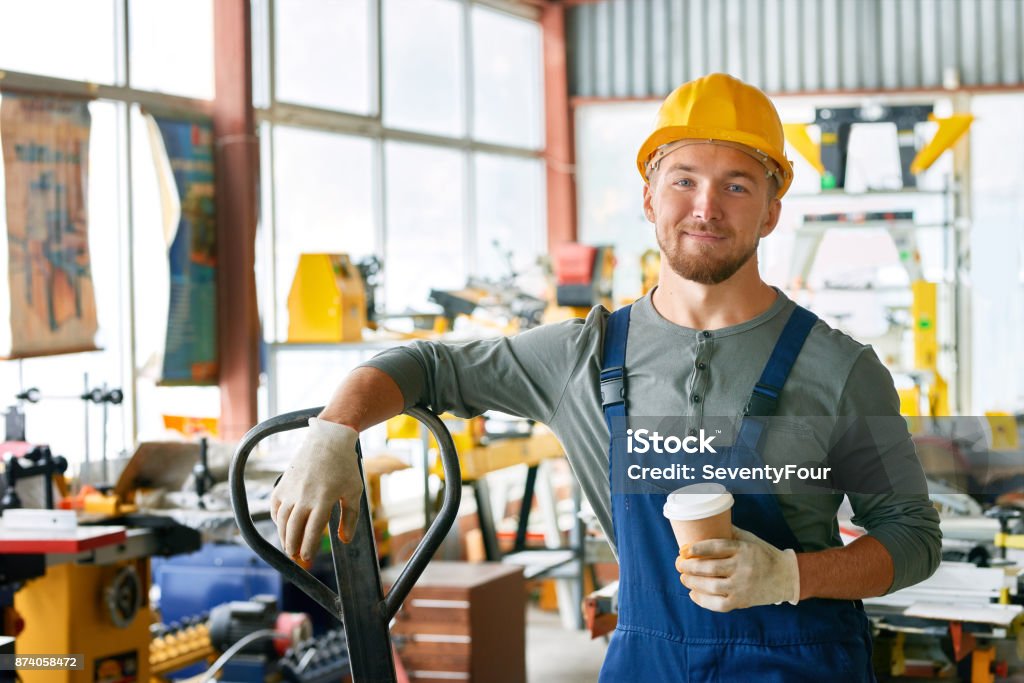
(662, 635)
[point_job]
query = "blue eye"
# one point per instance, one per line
(682, 181)
(737, 188)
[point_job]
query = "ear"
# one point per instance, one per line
(648, 198)
(772, 220)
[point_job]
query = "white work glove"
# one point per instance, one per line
(727, 574)
(323, 471)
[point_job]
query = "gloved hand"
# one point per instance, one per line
(727, 574)
(323, 471)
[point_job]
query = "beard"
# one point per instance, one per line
(699, 262)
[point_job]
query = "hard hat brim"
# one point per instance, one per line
(663, 136)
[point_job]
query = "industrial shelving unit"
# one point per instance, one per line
(931, 245)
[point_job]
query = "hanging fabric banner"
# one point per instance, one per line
(183, 153)
(49, 306)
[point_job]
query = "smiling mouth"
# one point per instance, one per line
(704, 236)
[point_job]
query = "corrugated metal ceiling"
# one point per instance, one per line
(645, 48)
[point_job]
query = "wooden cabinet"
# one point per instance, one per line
(463, 622)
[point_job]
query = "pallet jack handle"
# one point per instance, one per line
(359, 601)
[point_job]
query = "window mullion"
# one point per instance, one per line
(469, 215)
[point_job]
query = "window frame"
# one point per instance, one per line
(276, 112)
(268, 112)
(126, 97)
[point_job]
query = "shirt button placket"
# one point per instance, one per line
(701, 381)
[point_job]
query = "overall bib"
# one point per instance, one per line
(662, 635)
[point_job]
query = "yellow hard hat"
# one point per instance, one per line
(720, 108)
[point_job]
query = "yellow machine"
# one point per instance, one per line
(88, 591)
(180, 648)
(930, 393)
(932, 386)
(466, 434)
(327, 300)
(923, 312)
(111, 599)
(835, 137)
(477, 458)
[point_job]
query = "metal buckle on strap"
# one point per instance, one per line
(763, 401)
(613, 389)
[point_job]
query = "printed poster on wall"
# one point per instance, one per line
(49, 305)
(183, 153)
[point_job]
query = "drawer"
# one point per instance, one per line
(439, 592)
(410, 627)
(437, 676)
(435, 610)
(429, 644)
(424, 660)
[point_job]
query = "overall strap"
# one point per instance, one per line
(764, 399)
(760, 512)
(613, 377)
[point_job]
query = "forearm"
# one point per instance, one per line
(861, 569)
(367, 396)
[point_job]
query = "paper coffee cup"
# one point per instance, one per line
(698, 512)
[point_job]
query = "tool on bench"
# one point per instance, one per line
(39, 461)
(359, 602)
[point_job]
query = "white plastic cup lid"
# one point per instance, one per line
(697, 501)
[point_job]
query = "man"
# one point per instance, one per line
(778, 600)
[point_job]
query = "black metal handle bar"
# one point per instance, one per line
(359, 601)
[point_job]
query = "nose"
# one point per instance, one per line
(706, 204)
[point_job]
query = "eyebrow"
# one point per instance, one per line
(731, 174)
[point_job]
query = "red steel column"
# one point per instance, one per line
(561, 184)
(237, 169)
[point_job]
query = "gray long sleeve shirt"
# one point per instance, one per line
(551, 374)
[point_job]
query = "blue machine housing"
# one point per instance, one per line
(193, 584)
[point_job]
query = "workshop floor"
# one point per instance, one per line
(557, 655)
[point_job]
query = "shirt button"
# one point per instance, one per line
(696, 398)
(701, 366)
(706, 334)
(692, 432)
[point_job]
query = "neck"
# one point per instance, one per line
(742, 297)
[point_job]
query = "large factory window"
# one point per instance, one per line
(509, 217)
(171, 46)
(323, 201)
(160, 54)
(507, 80)
(425, 211)
(424, 85)
(81, 46)
(323, 54)
(452, 160)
